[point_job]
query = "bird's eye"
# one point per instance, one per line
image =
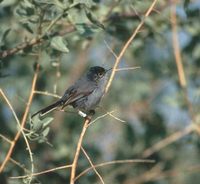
(100, 75)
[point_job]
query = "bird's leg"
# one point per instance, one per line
(82, 114)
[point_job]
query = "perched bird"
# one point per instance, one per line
(84, 95)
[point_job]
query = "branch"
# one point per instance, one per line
(93, 167)
(78, 148)
(21, 46)
(43, 172)
(176, 46)
(38, 39)
(168, 140)
(118, 59)
(179, 64)
(20, 130)
(23, 122)
(32, 42)
(46, 93)
(115, 162)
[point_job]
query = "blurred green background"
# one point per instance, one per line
(150, 100)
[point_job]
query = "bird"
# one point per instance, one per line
(84, 95)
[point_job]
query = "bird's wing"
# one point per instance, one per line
(77, 91)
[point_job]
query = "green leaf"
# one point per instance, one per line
(39, 128)
(88, 3)
(5, 34)
(86, 30)
(93, 19)
(59, 44)
(36, 123)
(28, 7)
(47, 121)
(45, 132)
(27, 27)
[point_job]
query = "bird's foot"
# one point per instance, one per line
(82, 114)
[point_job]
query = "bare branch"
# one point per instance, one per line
(12, 143)
(115, 162)
(118, 59)
(78, 148)
(128, 68)
(176, 46)
(47, 94)
(168, 140)
(43, 172)
(93, 167)
(23, 122)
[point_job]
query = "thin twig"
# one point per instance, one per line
(156, 173)
(38, 39)
(6, 139)
(78, 148)
(115, 162)
(88, 169)
(128, 68)
(100, 117)
(179, 64)
(110, 49)
(11, 159)
(43, 172)
(23, 122)
(176, 46)
(12, 143)
(20, 165)
(47, 94)
(93, 167)
(116, 118)
(168, 140)
(106, 114)
(118, 59)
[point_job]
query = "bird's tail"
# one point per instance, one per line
(49, 108)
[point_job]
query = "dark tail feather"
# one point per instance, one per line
(48, 109)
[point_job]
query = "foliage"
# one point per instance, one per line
(55, 41)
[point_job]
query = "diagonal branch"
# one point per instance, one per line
(23, 122)
(176, 46)
(118, 59)
(115, 162)
(20, 130)
(168, 140)
(78, 148)
(93, 167)
(40, 38)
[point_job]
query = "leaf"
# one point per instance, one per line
(3, 38)
(39, 128)
(28, 7)
(86, 30)
(93, 19)
(5, 34)
(36, 123)
(88, 3)
(59, 44)
(27, 27)
(47, 121)
(45, 132)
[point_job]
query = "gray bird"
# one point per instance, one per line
(84, 95)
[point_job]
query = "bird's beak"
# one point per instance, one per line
(108, 70)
